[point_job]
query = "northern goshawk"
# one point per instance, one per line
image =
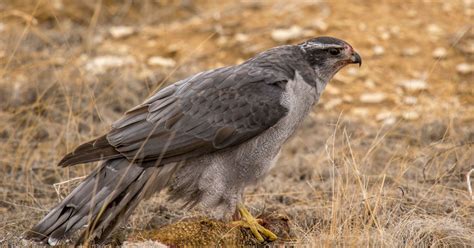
(204, 138)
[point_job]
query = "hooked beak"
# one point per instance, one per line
(356, 59)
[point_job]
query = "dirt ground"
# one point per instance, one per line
(382, 161)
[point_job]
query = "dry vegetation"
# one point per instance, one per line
(381, 162)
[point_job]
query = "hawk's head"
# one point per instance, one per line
(327, 55)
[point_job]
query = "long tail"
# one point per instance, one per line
(104, 199)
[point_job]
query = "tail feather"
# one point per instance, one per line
(103, 200)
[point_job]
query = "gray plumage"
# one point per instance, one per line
(205, 138)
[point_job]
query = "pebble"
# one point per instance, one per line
(2, 27)
(332, 89)
(414, 85)
(383, 115)
(161, 61)
(347, 98)
(146, 243)
(434, 30)
(101, 63)
(119, 32)
(242, 38)
(378, 50)
(410, 100)
(410, 115)
(362, 112)
(332, 103)
(386, 117)
(390, 120)
(320, 25)
(464, 68)
(369, 83)
(284, 35)
(410, 51)
(385, 35)
(373, 97)
(440, 53)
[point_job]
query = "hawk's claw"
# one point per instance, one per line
(248, 221)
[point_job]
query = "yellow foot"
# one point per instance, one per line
(248, 221)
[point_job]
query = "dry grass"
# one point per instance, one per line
(346, 179)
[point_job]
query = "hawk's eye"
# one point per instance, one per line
(334, 51)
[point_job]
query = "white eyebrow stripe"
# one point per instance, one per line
(322, 46)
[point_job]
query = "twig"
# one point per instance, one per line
(469, 186)
(57, 186)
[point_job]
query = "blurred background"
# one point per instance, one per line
(382, 160)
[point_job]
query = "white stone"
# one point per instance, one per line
(101, 63)
(383, 115)
(369, 83)
(414, 85)
(284, 35)
(378, 50)
(434, 30)
(332, 103)
(440, 53)
(362, 112)
(241, 37)
(410, 115)
(410, 100)
(410, 51)
(347, 98)
(161, 61)
(146, 243)
(320, 25)
(390, 120)
(121, 31)
(385, 35)
(333, 90)
(353, 71)
(464, 68)
(373, 97)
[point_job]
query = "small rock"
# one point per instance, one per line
(242, 38)
(2, 27)
(352, 71)
(410, 115)
(284, 35)
(119, 32)
(464, 68)
(146, 243)
(373, 97)
(369, 83)
(386, 117)
(434, 30)
(383, 115)
(161, 61)
(102, 63)
(332, 103)
(414, 85)
(390, 121)
(332, 90)
(222, 40)
(378, 50)
(440, 53)
(320, 25)
(362, 112)
(347, 98)
(410, 51)
(410, 100)
(385, 35)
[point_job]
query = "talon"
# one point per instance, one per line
(254, 224)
